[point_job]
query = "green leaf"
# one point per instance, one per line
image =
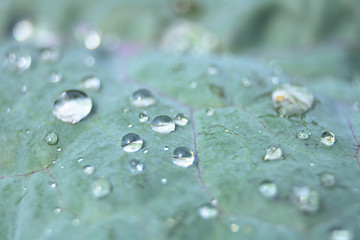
(229, 147)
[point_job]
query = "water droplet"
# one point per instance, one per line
(17, 59)
(28, 131)
(209, 111)
(136, 167)
(100, 188)
(327, 180)
(131, 142)
(183, 157)
(328, 138)
(303, 134)
(234, 227)
(57, 210)
(48, 232)
(76, 221)
(268, 189)
(166, 148)
(273, 153)
(146, 151)
(23, 30)
(72, 106)
(61, 166)
(55, 77)
(91, 83)
(163, 124)
(126, 110)
(142, 98)
(305, 199)
(291, 100)
(143, 117)
(88, 169)
(193, 84)
(24, 88)
(90, 61)
(92, 40)
(59, 149)
(341, 234)
(80, 159)
(213, 70)
(246, 82)
(50, 55)
(51, 138)
(52, 184)
(181, 119)
(163, 180)
(208, 211)
(130, 125)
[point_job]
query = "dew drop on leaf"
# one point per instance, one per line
(328, 138)
(80, 159)
(213, 70)
(209, 111)
(142, 98)
(91, 83)
(59, 149)
(100, 188)
(24, 88)
(88, 169)
(183, 157)
(163, 180)
(72, 106)
(52, 184)
(166, 148)
(92, 40)
(208, 211)
(303, 134)
(341, 234)
(23, 30)
(143, 117)
(131, 142)
(268, 189)
(55, 77)
(291, 100)
(234, 227)
(50, 55)
(181, 119)
(305, 199)
(51, 138)
(57, 210)
(136, 166)
(17, 59)
(163, 124)
(327, 180)
(273, 153)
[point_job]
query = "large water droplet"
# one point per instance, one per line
(181, 119)
(50, 55)
(163, 124)
(291, 100)
(100, 188)
(341, 234)
(268, 189)
(328, 138)
(23, 30)
(305, 199)
(88, 169)
(183, 157)
(327, 179)
(72, 106)
(17, 59)
(142, 98)
(273, 153)
(136, 167)
(131, 142)
(303, 134)
(143, 117)
(91, 83)
(51, 138)
(208, 211)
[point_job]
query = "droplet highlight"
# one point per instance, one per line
(208, 211)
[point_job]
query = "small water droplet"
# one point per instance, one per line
(130, 125)
(27, 131)
(48, 232)
(213, 70)
(208, 211)
(72, 106)
(146, 151)
(92, 40)
(163, 124)
(59, 149)
(341, 234)
(51, 138)
(88, 169)
(61, 166)
(57, 210)
(273, 153)
(183, 157)
(91, 83)
(24, 88)
(181, 119)
(166, 148)
(163, 180)
(80, 159)
(143, 117)
(17, 59)
(193, 84)
(76, 221)
(23, 30)
(327, 180)
(136, 167)
(55, 77)
(90, 61)
(246, 82)
(131, 142)
(303, 134)
(209, 111)
(234, 227)
(126, 110)
(268, 189)
(291, 100)
(100, 188)
(305, 199)
(50, 55)
(328, 138)
(142, 98)
(52, 184)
